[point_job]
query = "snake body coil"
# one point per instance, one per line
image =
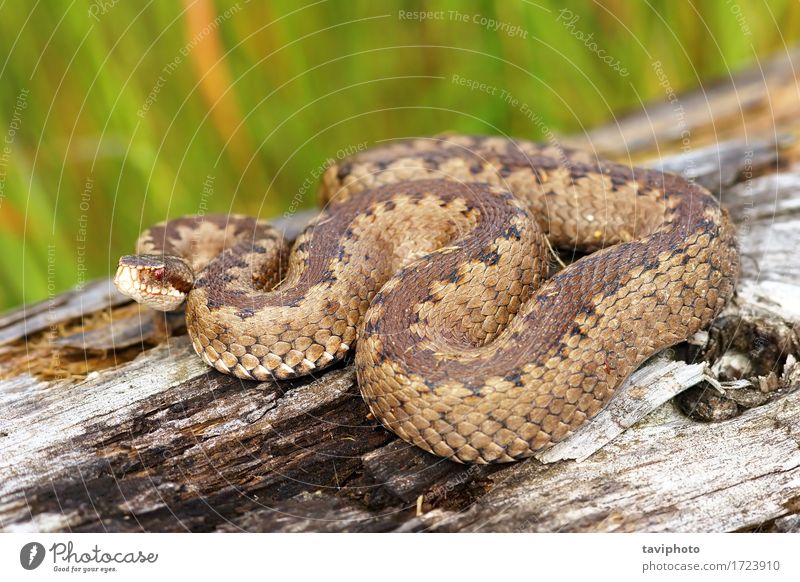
(432, 254)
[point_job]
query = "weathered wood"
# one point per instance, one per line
(669, 474)
(761, 101)
(43, 315)
(643, 392)
(105, 427)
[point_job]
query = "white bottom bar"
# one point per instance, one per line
(378, 557)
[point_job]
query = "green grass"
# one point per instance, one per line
(276, 88)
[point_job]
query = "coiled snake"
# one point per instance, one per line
(430, 260)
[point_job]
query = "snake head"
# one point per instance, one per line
(159, 282)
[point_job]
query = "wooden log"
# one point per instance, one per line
(761, 101)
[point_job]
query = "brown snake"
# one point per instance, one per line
(426, 258)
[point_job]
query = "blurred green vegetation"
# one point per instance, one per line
(116, 115)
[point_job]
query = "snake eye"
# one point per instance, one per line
(158, 274)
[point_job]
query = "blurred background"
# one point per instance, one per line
(117, 114)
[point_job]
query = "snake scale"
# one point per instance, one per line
(430, 260)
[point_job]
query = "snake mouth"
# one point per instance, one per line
(144, 280)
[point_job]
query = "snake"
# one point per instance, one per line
(431, 261)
